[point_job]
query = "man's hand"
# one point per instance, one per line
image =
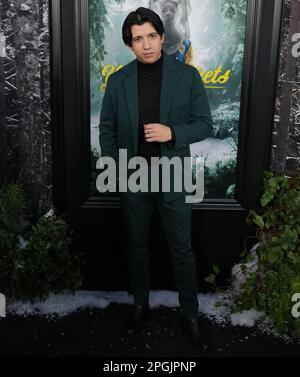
(157, 132)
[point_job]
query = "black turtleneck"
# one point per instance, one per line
(149, 87)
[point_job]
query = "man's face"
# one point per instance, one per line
(146, 43)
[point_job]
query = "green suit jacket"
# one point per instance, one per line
(183, 105)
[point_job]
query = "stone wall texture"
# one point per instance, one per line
(285, 159)
(25, 126)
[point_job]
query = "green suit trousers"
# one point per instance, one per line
(137, 210)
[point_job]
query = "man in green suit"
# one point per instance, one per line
(156, 106)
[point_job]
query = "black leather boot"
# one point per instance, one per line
(138, 314)
(192, 328)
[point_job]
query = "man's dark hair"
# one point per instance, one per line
(139, 17)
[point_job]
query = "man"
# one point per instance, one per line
(156, 106)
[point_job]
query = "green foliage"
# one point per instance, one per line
(45, 264)
(213, 276)
(277, 279)
(11, 205)
(48, 264)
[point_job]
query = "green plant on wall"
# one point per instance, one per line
(44, 263)
(271, 287)
(11, 206)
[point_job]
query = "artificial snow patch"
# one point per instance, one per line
(245, 318)
(64, 304)
(61, 305)
(165, 298)
(118, 297)
(215, 306)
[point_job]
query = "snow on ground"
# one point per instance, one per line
(214, 306)
(64, 304)
(61, 304)
(245, 318)
(217, 307)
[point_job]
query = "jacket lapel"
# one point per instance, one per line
(131, 90)
(168, 85)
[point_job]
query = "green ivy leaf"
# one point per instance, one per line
(216, 269)
(211, 279)
(258, 220)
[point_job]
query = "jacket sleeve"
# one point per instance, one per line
(108, 125)
(200, 125)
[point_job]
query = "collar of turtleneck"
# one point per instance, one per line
(156, 66)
